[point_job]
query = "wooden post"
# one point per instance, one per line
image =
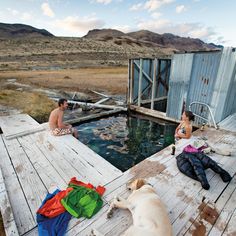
(140, 82)
(153, 83)
(130, 81)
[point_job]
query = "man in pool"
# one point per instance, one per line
(56, 124)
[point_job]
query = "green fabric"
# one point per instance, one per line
(82, 201)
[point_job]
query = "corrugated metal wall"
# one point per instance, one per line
(180, 73)
(207, 77)
(223, 99)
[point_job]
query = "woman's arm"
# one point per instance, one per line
(187, 135)
(178, 128)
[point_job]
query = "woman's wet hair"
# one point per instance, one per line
(61, 101)
(190, 115)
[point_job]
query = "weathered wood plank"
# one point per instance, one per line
(65, 169)
(225, 206)
(93, 159)
(231, 227)
(47, 172)
(32, 185)
(18, 125)
(217, 187)
(6, 210)
(24, 221)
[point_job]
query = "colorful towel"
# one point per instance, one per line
(52, 226)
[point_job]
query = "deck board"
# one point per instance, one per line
(48, 162)
(16, 195)
(17, 125)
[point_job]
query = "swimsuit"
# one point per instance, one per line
(59, 131)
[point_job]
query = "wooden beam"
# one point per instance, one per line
(154, 83)
(93, 116)
(95, 105)
(154, 100)
(143, 72)
(130, 84)
(101, 94)
(140, 82)
(153, 113)
(102, 100)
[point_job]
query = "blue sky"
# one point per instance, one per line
(209, 20)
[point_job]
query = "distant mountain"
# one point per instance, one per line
(104, 33)
(217, 45)
(21, 30)
(145, 37)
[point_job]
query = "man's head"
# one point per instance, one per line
(62, 103)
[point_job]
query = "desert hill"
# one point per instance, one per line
(23, 47)
(21, 30)
(149, 38)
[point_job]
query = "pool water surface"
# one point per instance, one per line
(124, 140)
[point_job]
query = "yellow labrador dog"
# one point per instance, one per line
(149, 214)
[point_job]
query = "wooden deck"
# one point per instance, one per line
(35, 164)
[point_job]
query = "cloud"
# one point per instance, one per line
(153, 25)
(180, 8)
(80, 25)
(13, 11)
(123, 28)
(47, 10)
(156, 15)
(152, 5)
(26, 16)
(136, 7)
(19, 15)
(104, 1)
(193, 30)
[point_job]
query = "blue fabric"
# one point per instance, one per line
(52, 226)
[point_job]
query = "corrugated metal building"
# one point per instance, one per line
(202, 77)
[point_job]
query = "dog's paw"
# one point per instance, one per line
(109, 214)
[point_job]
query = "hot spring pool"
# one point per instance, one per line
(124, 140)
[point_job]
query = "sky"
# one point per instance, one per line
(210, 20)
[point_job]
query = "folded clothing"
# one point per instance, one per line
(82, 201)
(53, 206)
(55, 226)
(99, 189)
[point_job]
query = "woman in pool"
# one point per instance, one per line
(184, 129)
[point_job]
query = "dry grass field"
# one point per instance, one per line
(17, 87)
(111, 80)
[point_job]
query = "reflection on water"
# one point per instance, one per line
(124, 141)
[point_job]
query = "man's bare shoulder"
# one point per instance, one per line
(56, 111)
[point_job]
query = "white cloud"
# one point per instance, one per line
(153, 25)
(180, 8)
(136, 7)
(156, 15)
(104, 1)
(13, 11)
(123, 28)
(193, 30)
(80, 25)
(47, 10)
(26, 16)
(152, 5)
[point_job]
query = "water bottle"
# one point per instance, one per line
(173, 150)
